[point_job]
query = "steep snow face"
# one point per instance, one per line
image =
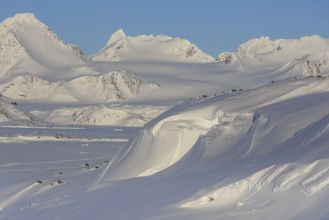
(11, 50)
(150, 48)
(29, 45)
(264, 52)
(271, 119)
(113, 86)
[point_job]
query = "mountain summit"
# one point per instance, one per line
(28, 45)
(115, 37)
(150, 48)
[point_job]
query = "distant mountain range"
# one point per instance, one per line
(36, 66)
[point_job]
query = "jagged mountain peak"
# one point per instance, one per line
(116, 36)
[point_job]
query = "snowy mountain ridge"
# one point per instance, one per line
(149, 47)
(263, 51)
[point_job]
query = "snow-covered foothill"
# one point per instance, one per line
(100, 88)
(124, 115)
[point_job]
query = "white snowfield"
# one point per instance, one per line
(245, 136)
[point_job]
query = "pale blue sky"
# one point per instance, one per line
(213, 25)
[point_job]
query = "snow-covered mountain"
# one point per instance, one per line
(310, 53)
(150, 48)
(27, 45)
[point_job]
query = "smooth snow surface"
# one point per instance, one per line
(153, 128)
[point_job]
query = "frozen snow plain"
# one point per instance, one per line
(245, 136)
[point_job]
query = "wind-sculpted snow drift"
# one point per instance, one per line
(275, 125)
(239, 152)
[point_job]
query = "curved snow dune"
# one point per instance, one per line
(242, 125)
